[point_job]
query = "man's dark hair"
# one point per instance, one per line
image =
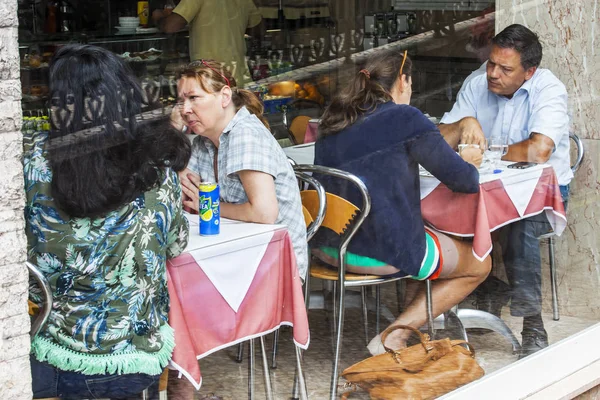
(522, 40)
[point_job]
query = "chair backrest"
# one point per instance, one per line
(580, 152)
(341, 216)
(44, 314)
(300, 107)
(318, 204)
(298, 128)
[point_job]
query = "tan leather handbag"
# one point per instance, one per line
(423, 371)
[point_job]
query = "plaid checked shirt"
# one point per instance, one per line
(246, 144)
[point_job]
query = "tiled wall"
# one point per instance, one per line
(570, 33)
(15, 381)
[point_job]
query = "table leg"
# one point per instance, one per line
(299, 379)
(481, 319)
(240, 354)
(275, 348)
(251, 370)
(266, 372)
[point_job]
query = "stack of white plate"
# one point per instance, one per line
(128, 25)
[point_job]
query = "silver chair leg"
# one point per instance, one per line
(429, 303)
(145, 394)
(338, 345)
(240, 354)
(377, 307)
(485, 320)
(363, 298)
(334, 307)
(299, 381)
(275, 347)
(553, 283)
(400, 294)
(251, 370)
(266, 372)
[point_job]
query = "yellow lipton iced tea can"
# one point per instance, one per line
(209, 208)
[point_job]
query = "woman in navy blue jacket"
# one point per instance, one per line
(370, 130)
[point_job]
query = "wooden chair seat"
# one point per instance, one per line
(318, 270)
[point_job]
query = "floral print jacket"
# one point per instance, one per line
(107, 275)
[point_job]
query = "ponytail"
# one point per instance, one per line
(243, 97)
(363, 95)
(370, 87)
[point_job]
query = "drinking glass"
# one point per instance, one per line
(497, 147)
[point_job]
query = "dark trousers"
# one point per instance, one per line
(522, 261)
(48, 381)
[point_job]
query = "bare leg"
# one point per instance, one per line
(461, 274)
(179, 389)
(412, 288)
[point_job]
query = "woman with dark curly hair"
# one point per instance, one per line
(103, 215)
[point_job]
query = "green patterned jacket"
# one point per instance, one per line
(107, 275)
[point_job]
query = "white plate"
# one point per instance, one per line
(126, 28)
(147, 30)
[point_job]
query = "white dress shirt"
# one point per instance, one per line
(538, 106)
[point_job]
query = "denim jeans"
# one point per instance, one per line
(49, 381)
(522, 261)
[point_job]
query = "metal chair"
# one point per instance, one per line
(298, 127)
(345, 219)
(41, 319)
(312, 226)
(296, 116)
(550, 235)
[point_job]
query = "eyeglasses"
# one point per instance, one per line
(403, 61)
(218, 72)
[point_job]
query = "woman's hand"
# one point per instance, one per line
(176, 119)
(472, 155)
(189, 185)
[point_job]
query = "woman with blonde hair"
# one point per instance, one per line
(370, 130)
(235, 149)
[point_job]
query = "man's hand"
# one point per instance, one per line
(471, 132)
(189, 185)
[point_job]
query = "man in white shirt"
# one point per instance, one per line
(529, 105)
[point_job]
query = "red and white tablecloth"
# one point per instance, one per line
(506, 197)
(503, 198)
(207, 311)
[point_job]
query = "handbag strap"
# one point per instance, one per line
(423, 337)
(469, 346)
